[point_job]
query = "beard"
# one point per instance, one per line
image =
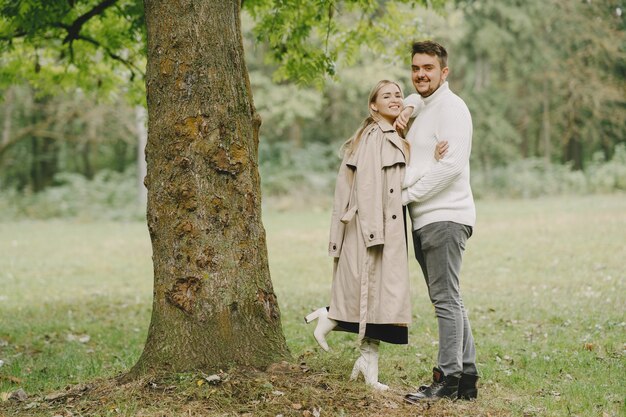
(430, 89)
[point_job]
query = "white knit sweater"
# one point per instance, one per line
(439, 190)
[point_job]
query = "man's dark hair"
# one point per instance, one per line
(433, 49)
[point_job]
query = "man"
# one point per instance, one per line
(442, 212)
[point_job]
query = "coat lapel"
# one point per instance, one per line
(390, 154)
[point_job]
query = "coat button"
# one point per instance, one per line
(334, 247)
(371, 236)
(393, 217)
(391, 191)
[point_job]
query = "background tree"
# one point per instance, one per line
(543, 86)
(48, 135)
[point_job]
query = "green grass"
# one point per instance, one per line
(544, 281)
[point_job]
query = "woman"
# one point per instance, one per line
(370, 290)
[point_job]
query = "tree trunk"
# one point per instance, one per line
(574, 153)
(85, 154)
(35, 167)
(295, 133)
(545, 126)
(7, 119)
(142, 137)
(214, 305)
(49, 161)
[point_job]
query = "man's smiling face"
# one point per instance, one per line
(427, 74)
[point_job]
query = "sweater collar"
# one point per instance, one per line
(441, 91)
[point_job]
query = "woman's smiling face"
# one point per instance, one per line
(388, 103)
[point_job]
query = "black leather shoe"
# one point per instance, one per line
(467, 387)
(442, 387)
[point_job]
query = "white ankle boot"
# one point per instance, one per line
(367, 364)
(324, 326)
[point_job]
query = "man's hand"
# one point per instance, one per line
(402, 121)
(441, 149)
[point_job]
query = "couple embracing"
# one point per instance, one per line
(381, 172)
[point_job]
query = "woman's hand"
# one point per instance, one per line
(441, 149)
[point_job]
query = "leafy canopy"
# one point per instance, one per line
(100, 44)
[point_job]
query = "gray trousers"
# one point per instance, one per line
(439, 250)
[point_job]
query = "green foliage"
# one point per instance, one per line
(308, 173)
(108, 196)
(73, 132)
(304, 175)
(529, 178)
(96, 45)
(283, 107)
(101, 45)
(310, 40)
(608, 176)
(299, 172)
(552, 71)
(544, 82)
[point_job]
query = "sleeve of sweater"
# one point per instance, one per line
(415, 101)
(454, 124)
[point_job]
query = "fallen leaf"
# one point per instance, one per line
(280, 367)
(391, 404)
(81, 338)
(19, 395)
(34, 404)
(11, 378)
(200, 382)
(296, 406)
(54, 396)
(589, 346)
(213, 379)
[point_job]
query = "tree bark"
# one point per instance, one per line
(545, 126)
(7, 119)
(214, 305)
(142, 137)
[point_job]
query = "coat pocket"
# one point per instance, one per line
(349, 215)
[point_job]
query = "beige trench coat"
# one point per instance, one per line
(367, 233)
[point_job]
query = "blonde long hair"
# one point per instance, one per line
(352, 144)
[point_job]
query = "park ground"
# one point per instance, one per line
(543, 279)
